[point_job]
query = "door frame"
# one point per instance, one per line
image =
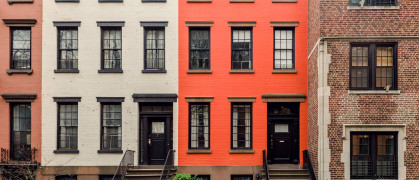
(144, 120)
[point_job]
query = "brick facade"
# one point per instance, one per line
(339, 27)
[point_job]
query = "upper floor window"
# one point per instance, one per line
(284, 48)
(374, 2)
(373, 66)
(21, 48)
(111, 126)
(199, 48)
(241, 125)
(67, 48)
(199, 126)
(111, 48)
(67, 126)
(241, 48)
(154, 48)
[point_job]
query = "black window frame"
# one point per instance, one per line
(63, 28)
(209, 125)
(251, 47)
(209, 47)
(231, 126)
(374, 3)
(372, 66)
(242, 176)
(22, 152)
(12, 29)
(59, 104)
(102, 49)
(102, 149)
(293, 47)
(158, 70)
(373, 153)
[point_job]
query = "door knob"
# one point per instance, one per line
(149, 142)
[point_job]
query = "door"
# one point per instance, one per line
(157, 141)
(281, 142)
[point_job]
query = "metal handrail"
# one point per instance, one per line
(126, 161)
(265, 165)
(29, 156)
(165, 173)
(307, 164)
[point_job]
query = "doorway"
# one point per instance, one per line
(283, 133)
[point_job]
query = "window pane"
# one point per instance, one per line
(284, 50)
(386, 158)
(112, 47)
(241, 56)
(199, 125)
(199, 48)
(241, 125)
(111, 126)
(68, 121)
(68, 50)
(154, 49)
(21, 48)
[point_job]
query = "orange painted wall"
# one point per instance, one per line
(21, 83)
(221, 84)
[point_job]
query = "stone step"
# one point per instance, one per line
(288, 171)
(289, 176)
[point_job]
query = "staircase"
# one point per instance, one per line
(286, 172)
(146, 172)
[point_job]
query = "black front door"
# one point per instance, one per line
(281, 142)
(157, 140)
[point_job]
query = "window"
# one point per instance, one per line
(241, 177)
(241, 48)
(154, 53)
(65, 177)
(375, 2)
(67, 126)
(21, 48)
(111, 48)
(21, 132)
(199, 48)
(373, 155)
(204, 177)
(241, 125)
(67, 48)
(111, 126)
(284, 49)
(373, 66)
(199, 126)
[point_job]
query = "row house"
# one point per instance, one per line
(20, 88)
(110, 84)
(242, 87)
(363, 89)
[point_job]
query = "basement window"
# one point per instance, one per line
(373, 2)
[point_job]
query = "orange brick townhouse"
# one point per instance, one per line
(20, 87)
(242, 88)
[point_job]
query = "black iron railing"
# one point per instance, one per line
(168, 165)
(308, 165)
(265, 165)
(21, 156)
(126, 161)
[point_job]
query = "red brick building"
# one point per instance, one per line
(363, 89)
(20, 86)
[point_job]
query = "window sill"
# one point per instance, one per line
(110, 151)
(66, 71)
(67, 0)
(198, 151)
(117, 1)
(284, 1)
(373, 8)
(199, 1)
(284, 71)
(242, 1)
(153, 1)
(390, 92)
(153, 71)
(19, 71)
(110, 71)
(199, 71)
(19, 1)
(242, 71)
(66, 151)
(242, 151)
